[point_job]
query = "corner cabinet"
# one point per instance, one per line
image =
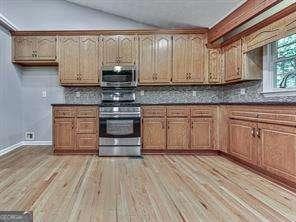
(155, 60)
(120, 50)
(75, 129)
(79, 58)
(34, 49)
(216, 66)
(189, 56)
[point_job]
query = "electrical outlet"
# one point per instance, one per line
(142, 92)
(30, 136)
(44, 94)
(77, 94)
(243, 91)
(194, 93)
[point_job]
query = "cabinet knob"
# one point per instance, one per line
(253, 132)
(258, 133)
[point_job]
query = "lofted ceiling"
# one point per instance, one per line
(167, 13)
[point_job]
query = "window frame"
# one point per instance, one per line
(268, 76)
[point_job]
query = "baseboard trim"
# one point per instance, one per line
(10, 148)
(36, 143)
(24, 143)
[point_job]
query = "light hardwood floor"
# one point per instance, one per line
(156, 188)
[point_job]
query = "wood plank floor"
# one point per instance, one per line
(156, 188)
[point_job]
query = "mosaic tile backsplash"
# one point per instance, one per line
(181, 94)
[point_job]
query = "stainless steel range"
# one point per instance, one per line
(120, 116)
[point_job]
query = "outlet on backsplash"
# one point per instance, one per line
(243, 91)
(77, 94)
(142, 93)
(193, 93)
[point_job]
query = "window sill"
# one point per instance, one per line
(279, 93)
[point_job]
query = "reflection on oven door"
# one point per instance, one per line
(120, 127)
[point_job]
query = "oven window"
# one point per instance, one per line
(120, 127)
(123, 76)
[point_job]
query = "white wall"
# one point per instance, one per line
(36, 110)
(60, 15)
(11, 130)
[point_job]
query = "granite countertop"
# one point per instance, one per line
(184, 104)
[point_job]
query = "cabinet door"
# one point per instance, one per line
(64, 134)
(178, 133)
(163, 58)
(24, 47)
(278, 149)
(154, 133)
(201, 133)
(127, 49)
(180, 58)
(215, 66)
(146, 63)
(243, 142)
(69, 59)
(196, 50)
(89, 60)
(110, 50)
(46, 47)
(233, 61)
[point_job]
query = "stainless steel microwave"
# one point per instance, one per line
(119, 76)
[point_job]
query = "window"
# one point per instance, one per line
(280, 66)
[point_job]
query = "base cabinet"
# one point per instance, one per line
(154, 133)
(75, 129)
(201, 133)
(278, 149)
(64, 134)
(242, 141)
(178, 133)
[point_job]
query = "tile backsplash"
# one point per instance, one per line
(182, 94)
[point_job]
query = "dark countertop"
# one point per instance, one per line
(188, 104)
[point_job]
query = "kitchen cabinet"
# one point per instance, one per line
(178, 133)
(277, 144)
(75, 129)
(34, 49)
(242, 140)
(155, 62)
(64, 134)
(189, 56)
(215, 66)
(154, 133)
(120, 50)
(201, 133)
(233, 61)
(265, 137)
(79, 58)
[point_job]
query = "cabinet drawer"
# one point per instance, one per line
(64, 112)
(151, 111)
(86, 125)
(178, 111)
(197, 112)
(87, 141)
(87, 112)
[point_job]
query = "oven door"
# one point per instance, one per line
(120, 131)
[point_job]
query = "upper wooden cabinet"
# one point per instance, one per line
(189, 54)
(155, 62)
(120, 49)
(34, 48)
(216, 66)
(233, 61)
(79, 60)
